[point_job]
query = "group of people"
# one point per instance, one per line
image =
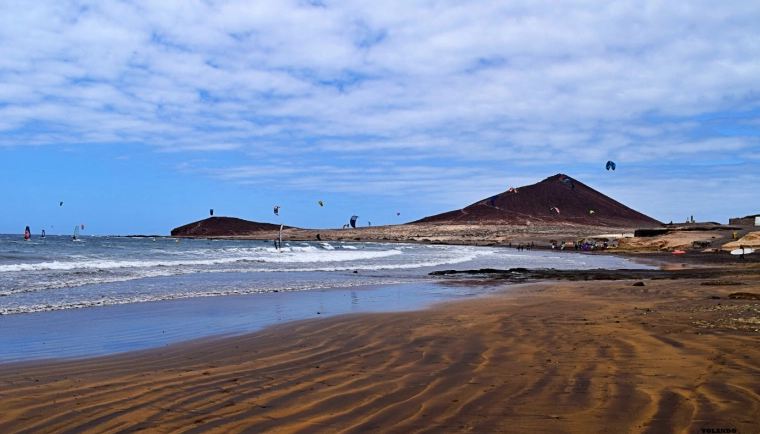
(584, 246)
(520, 247)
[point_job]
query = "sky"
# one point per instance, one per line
(141, 115)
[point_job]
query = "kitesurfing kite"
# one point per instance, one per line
(60, 203)
(611, 165)
(555, 209)
(276, 210)
(353, 220)
(321, 203)
(211, 212)
(398, 213)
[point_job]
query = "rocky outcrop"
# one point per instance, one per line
(222, 227)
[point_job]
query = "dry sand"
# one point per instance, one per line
(541, 234)
(469, 234)
(751, 239)
(551, 357)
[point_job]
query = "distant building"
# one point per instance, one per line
(750, 220)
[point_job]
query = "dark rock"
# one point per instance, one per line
(744, 296)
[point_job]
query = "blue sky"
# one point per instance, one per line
(141, 116)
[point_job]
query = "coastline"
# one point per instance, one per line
(66, 334)
(671, 355)
(426, 233)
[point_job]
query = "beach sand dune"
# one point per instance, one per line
(669, 356)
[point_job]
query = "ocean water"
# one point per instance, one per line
(104, 295)
(57, 273)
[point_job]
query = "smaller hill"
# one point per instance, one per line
(222, 227)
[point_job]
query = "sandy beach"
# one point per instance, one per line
(230, 216)
(673, 355)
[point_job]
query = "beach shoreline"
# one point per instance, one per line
(610, 355)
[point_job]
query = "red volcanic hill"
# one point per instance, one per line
(222, 227)
(558, 199)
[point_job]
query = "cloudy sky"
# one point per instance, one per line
(141, 116)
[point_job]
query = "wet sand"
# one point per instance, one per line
(589, 356)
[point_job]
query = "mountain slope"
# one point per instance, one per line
(558, 199)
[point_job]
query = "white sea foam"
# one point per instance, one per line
(290, 255)
(53, 305)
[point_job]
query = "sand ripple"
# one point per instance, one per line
(567, 357)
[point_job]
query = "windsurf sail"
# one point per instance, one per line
(353, 220)
(43, 234)
(27, 233)
(279, 245)
(75, 236)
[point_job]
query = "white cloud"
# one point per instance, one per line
(441, 85)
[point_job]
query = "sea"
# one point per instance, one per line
(99, 294)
